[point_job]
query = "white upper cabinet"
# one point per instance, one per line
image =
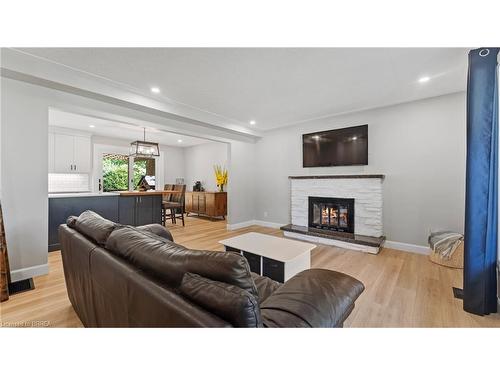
(71, 154)
(63, 153)
(82, 154)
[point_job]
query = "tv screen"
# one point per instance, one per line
(347, 146)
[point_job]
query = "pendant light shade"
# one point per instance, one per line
(144, 149)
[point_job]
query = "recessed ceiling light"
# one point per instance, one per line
(91, 126)
(155, 90)
(179, 140)
(354, 138)
(424, 79)
(252, 122)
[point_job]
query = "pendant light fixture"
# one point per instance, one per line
(144, 149)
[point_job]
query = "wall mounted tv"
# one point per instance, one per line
(347, 146)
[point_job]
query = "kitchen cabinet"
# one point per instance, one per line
(63, 153)
(144, 210)
(126, 210)
(71, 154)
(81, 158)
(211, 204)
(140, 210)
(62, 208)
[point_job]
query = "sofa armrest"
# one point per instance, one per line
(157, 229)
(312, 298)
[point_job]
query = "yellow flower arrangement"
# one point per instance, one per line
(220, 176)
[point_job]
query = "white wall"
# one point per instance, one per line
(419, 146)
(174, 163)
(24, 177)
(242, 182)
(199, 163)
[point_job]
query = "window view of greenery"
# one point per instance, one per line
(139, 170)
(115, 172)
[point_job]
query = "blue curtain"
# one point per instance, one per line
(481, 205)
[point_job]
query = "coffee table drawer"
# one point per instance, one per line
(273, 269)
(253, 261)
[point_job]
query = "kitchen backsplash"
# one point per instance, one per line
(68, 182)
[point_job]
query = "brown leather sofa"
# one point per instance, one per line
(121, 276)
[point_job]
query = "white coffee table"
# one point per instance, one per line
(274, 257)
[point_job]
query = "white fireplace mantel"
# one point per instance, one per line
(365, 189)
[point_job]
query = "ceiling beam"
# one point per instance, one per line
(31, 69)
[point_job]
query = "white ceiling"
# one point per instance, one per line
(274, 86)
(120, 131)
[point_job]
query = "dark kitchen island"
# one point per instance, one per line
(128, 208)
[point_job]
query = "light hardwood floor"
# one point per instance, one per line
(402, 289)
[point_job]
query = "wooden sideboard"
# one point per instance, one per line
(211, 204)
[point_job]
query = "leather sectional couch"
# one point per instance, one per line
(122, 276)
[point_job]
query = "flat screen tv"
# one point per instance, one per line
(347, 146)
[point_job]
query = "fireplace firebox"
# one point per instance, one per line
(335, 214)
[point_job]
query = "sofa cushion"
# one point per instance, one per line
(313, 298)
(94, 226)
(169, 261)
(157, 230)
(71, 221)
(265, 286)
(233, 304)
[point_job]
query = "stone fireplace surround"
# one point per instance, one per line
(366, 189)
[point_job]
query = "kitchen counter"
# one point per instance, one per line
(79, 195)
(134, 193)
(142, 193)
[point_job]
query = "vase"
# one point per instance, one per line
(221, 188)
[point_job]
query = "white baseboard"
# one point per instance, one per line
(249, 223)
(243, 224)
(28, 272)
(268, 224)
(411, 248)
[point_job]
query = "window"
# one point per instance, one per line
(115, 172)
(144, 173)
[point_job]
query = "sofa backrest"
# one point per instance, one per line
(169, 262)
(93, 226)
(127, 297)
